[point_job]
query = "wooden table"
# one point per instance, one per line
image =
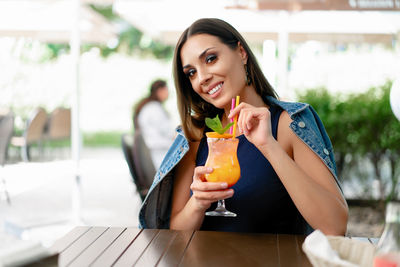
(115, 246)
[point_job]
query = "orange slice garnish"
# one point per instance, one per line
(217, 135)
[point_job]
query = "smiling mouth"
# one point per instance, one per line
(215, 89)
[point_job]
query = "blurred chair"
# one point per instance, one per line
(58, 125)
(138, 158)
(6, 132)
(33, 133)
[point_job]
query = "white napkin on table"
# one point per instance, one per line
(318, 244)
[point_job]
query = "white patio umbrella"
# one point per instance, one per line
(259, 25)
(52, 21)
(279, 27)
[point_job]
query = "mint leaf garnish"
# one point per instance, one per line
(216, 125)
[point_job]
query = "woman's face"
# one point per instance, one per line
(215, 71)
(162, 93)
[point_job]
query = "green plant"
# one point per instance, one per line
(333, 113)
(102, 139)
(362, 126)
(130, 40)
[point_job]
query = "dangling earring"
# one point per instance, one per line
(248, 79)
(202, 106)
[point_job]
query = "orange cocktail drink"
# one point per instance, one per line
(222, 157)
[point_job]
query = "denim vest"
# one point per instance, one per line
(155, 211)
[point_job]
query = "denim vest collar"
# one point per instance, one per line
(292, 108)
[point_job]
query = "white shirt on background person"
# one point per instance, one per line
(157, 129)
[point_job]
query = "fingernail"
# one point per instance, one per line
(224, 185)
(209, 169)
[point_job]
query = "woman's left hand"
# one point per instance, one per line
(254, 123)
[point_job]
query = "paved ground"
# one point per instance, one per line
(43, 193)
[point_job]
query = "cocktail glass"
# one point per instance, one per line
(222, 157)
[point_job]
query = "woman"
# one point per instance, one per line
(153, 121)
(288, 182)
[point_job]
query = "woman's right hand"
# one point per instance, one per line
(205, 193)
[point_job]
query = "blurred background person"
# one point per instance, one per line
(153, 121)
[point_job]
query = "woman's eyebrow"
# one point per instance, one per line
(204, 52)
(200, 56)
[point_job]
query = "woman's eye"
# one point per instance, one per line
(190, 73)
(210, 58)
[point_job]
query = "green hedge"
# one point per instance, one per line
(363, 131)
(102, 139)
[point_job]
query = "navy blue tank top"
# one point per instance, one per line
(260, 201)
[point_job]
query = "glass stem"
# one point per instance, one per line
(221, 204)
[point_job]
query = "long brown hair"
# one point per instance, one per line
(153, 96)
(192, 108)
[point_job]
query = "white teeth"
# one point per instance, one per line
(215, 89)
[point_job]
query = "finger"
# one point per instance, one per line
(242, 122)
(236, 110)
(200, 171)
(254, 116)
(251, 121)
(241, 115)
(213, 195)
(247, 119)
(207, 186)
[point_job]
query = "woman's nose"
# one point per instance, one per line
(204, 76)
